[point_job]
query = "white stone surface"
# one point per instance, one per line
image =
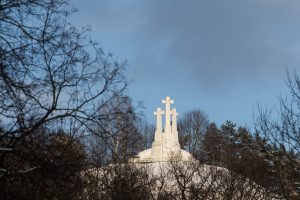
(166, 142)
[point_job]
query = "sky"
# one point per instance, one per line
(224, 57)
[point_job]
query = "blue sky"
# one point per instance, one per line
(224, 57)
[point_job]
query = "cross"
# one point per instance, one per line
(158, 114)
(168, 102)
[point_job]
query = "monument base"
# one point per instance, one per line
(158, 155)
(166, 143)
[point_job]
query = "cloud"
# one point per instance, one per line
(213, 46)
(209, 39)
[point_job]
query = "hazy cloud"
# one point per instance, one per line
(214, 46)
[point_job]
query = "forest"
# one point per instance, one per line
(65, 112)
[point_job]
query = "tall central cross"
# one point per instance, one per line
(168, 102)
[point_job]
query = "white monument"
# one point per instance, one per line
(166, 143)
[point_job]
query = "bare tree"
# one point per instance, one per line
(118, 137)
(284, 135)
(192, 180)
(192, 127)
(195, 180)
(120, 181)
(147, 130)
(52, 78)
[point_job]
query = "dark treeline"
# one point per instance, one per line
(251, 155)
(68, 129)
